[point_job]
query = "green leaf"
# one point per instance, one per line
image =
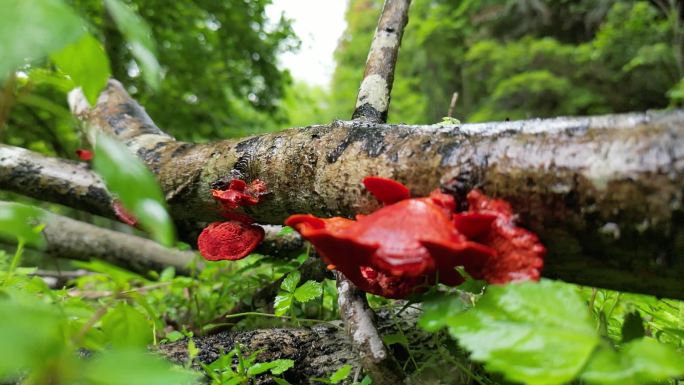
(174, 336)
(366, 380)
(85, 61)
(308, 291)
(282, 303)
(31, 333)
(641, 361)
(134, 367)
(439, 309)
(135, 186)
(19, 221)
(395, 338)
(285, 231)
(290, 282)
(139, 37)
(535, 333)
(276, 367)
(32, 29)
(340, 374)
(126, 327)
(632, 327)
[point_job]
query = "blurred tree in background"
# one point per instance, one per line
(522, 58)
(218, 62)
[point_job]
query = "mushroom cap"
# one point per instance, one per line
(413, 242)
(231, 240)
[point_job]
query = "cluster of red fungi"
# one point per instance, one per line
(400, 249)
(403, 248)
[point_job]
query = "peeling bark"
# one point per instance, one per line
(604, 193)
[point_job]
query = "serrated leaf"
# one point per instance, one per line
(535, 333)
(85, 61)
(632, 327)
(276, 367)
(126, 327)
(642, 361)
(291, 281)
(308, 290)
(18, 221)
(282, 303)
(139, 37)
(32, 29)
(340, 374)
(135, 186)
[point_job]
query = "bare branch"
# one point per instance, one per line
(359, 320)
(71, 239)
(373, 100)
(50, 179)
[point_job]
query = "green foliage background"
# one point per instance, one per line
(206, 70)
(520, 58)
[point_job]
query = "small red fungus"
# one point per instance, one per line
(123, 215)
(84, 155)
(238, 237)
(408, 244)
(230, 240)
(239, 193)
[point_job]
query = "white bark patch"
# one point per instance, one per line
(384, 39)
(374, 91)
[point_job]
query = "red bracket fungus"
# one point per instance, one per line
(84, 155)
(237, 237)
(408, 244)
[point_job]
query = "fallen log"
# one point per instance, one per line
(604, 193)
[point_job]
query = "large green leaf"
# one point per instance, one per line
(135, 186)
(30, 334)
(18, 221)
(308, 290)
(85, 61)
(32, 29)
(134, 367)
(139, 37)
(641, 361)
(126, 327)
(535, 333)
